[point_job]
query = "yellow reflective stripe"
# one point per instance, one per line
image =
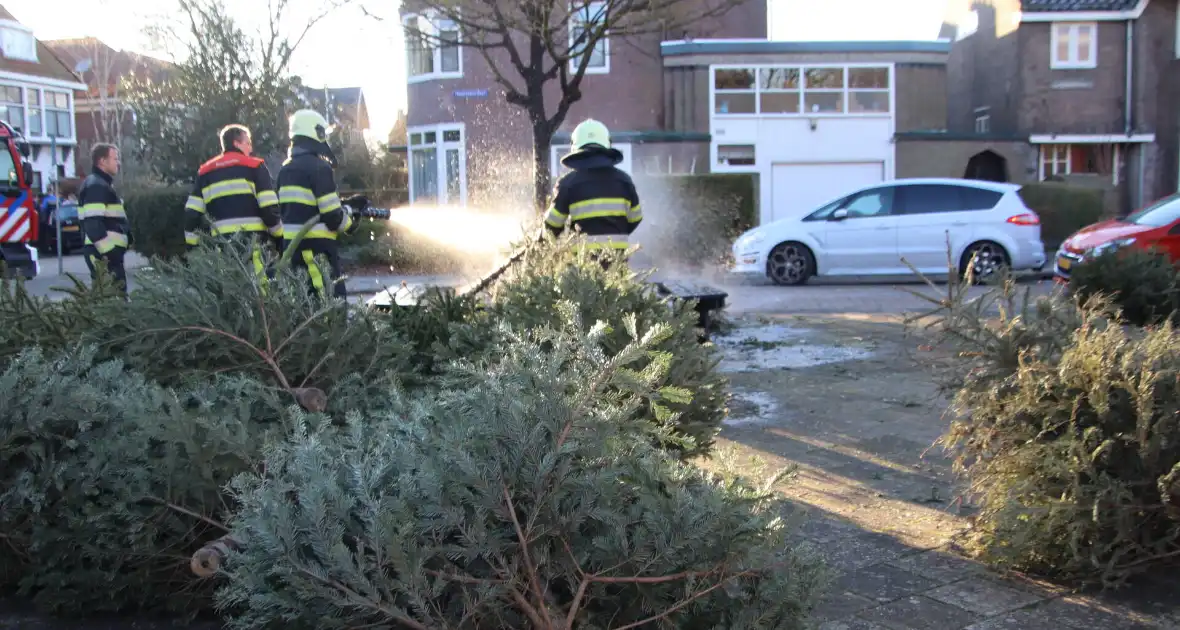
(634, 214)
(276, 231)
(317, 277)
(190, 238)
(228, 187)
(328, 202)
(345, 224)
(111, 210)
(597, 208)
(555, 218)
(109, 242)
(231, 226)
(296, 194)
(319, 230)
(610, 245)
(267, 198)
(195, 203)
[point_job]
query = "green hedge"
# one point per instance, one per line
(694, 219)
(1063, 209)
(156, 216)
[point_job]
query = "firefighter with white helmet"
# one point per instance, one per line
(596, 196)
(307, 190)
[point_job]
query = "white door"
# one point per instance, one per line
(559, 151)
(865, 240)
(797, 189)
(931, 215)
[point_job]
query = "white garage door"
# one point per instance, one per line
(797, 189)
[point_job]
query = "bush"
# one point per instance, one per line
(695, 219)
(1144, 285)
(1068, 427)
(522, 500)
(1063, 209)
(156, 216)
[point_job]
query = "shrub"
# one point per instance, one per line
(523, 500)
(156, 216)
(1068, 427)
(1143, 284)
(694, 219)
(1063, 209)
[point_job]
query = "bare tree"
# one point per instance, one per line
(530, 44)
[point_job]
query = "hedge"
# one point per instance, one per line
(156, 216)
(694, 219)
(1063, 209)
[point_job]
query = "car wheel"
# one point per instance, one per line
(988, 260)
(790, 264)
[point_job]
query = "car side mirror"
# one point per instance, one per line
(24, 148)
(28, 173)
(839, 215)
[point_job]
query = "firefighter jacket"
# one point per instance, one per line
(235, 194)
(104, 222)
(307, 191)
(596, 198)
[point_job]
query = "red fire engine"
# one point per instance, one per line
(18, 215)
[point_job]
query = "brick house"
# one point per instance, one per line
(810, 119)
(102, 113)
(1090, 85)
(37, 97)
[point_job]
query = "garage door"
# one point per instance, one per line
(797, 189)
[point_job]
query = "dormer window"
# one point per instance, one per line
(17, 42)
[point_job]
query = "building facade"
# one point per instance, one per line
(1092, 86)
(37, 96)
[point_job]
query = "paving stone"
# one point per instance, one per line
(918, 612)
(939, 565)
(885, 583)
(851, 624)
(849, 554)
(823, 529)
(1081, 613)
(1016, 620)
(841, 604)
(986, 596)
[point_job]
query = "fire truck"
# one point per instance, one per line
(18, 214)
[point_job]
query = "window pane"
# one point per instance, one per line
(868, 102)
(731, 79)
(978, 198)
(34, 97)
(424, 167)
(734, 103)
(429, 137)
(449, 59)
(415, 138)
(1083, 42)
(10, 94)
(1161, 213)
(35, 122)
(735, 154)
(868, 78)
(15, 117)
(451, 135)
(453, 176)
(779, 102)
(778, 78)
(870, 203)
(1063, 48)
(63, 123)
(824, 78)
(929, 199)
(823, 102)
(60, 100)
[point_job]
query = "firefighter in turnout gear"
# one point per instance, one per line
(234, 192)
(104, 222)
(595, 197)
(307, 191)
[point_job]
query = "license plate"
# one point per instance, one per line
(69, 228)
(1063, 263)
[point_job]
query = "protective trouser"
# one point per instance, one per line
(114, 264)
(305, 259)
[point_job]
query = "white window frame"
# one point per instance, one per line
(434, 22)
(1052, 161)
(757, 90)
(1072, 30)
(441, 147)
(7, 26)
(983, 123)
(46, 110)
(717, 166)
(580, 13)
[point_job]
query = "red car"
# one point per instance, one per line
(1156, 226)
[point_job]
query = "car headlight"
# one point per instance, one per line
(749, 240)
(1110, 246)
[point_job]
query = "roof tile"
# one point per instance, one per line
(1042, 6)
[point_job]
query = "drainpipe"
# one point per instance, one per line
(1128, 118)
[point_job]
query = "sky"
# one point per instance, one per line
(349, 49)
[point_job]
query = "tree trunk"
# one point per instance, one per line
(542, 149)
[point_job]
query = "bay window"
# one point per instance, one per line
(438, 164)
(432, 48)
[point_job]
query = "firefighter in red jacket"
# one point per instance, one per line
(595, 197)
(235, 194)
(104, 222)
